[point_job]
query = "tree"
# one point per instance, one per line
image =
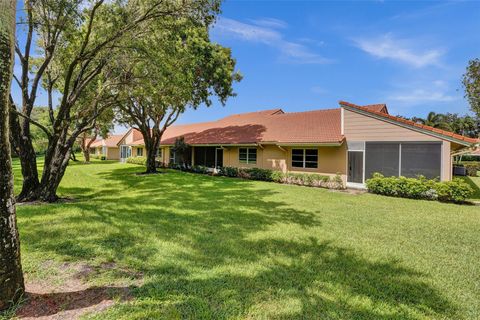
(168, 73)
(181, 149)
(436, 120)
(77, 41)
(471, 84)
(11, 276)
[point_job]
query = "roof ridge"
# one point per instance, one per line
(316, 110)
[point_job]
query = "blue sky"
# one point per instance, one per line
(309, 55)
(305, 55)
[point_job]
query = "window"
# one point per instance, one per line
(139, 152)
(305, 158)
(172, 157)
(247, 155)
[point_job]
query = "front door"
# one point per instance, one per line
(218, 157)
(355, 166)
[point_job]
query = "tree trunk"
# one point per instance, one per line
(150, 164)
(22, 143)
(11, 276)
(56, 162)
(152, 143)
(86, 155)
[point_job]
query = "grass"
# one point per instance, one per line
(220, 248)
(474, 182)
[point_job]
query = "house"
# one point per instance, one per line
(106, 147)
(352, 141)
(131, 144)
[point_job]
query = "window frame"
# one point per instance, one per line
(248, 154)
(172, 157)
(304, 160)
(141, 152)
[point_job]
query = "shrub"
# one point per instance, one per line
(419, 188)
(228, 172)
(308, 179)
(260, 174)
(137, 160)
(456, 190)
(472, 167)
(103, 158)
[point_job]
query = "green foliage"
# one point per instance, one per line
(228, 172)
(303, 179)
(39, 138)
(181, 149)
(471, 84)
(137, 160)
(472, 167)
(465, 125)
(420, 188)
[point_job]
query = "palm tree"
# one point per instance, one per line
(11, 276)
(436, 120)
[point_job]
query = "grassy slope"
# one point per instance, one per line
(213, 247)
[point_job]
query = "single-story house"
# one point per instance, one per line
(131, 144)
(353, 141)
(106, 147)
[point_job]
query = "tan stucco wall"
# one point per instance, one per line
(135, 151)
(113, 153)
(331, 160)
(358, 127)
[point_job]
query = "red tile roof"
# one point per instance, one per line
(110, 142)
(275, 126)
(377, 107)
(410, 123)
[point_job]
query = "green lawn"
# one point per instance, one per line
(214, 248)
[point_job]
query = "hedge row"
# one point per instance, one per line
(420, 188)
(303, 179)
(137, 160)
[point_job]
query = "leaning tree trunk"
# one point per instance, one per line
(56, 162)
(11, 276)
(22, 143)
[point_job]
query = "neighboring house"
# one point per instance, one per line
(131, 144)
(352, 141)
(106, 147)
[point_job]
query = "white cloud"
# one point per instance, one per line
(418, 96)
(270, 23)
(290, 51)
(418, 93)
(401, 50)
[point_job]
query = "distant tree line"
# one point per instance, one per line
(465, 125)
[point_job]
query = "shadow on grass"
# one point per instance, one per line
(191, 236)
